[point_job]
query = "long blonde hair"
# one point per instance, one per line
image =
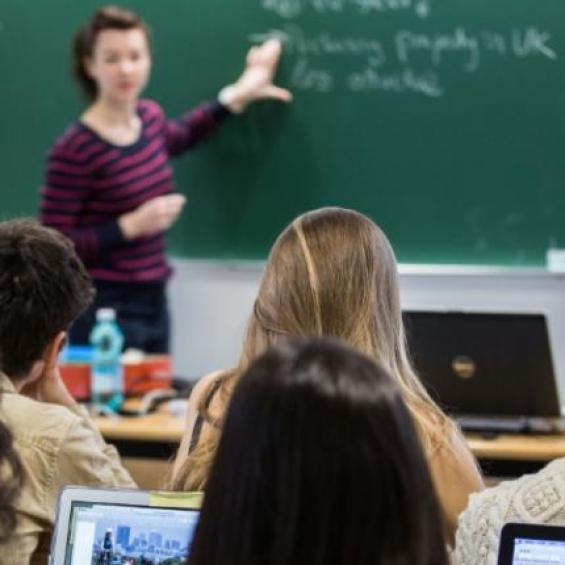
(331, 272)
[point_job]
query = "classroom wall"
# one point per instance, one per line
(211, 301)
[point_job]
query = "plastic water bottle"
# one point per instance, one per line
(107, 376)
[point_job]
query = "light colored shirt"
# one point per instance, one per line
(534, 499)
(58, 446)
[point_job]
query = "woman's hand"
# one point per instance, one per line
(154, 216)
(256, 81)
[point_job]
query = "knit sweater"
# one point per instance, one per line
(537, 498)
(91, 182)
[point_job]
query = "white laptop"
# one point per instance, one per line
(110, 526)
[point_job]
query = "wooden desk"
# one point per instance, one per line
(158, 435)
(158, 427)
(514, 455)
(155, 436)
(146, 444)
(518, 448)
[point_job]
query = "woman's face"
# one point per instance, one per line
(120, 64)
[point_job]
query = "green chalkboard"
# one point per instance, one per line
(444, 120)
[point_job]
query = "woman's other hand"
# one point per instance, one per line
(154, 216)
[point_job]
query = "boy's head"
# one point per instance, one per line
(43, 288)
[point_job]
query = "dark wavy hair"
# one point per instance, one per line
(319, 463)
(10, 482)
(108, 17)
(44, 287)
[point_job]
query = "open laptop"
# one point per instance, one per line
(109, 526)
(531, 544)
(492, 372)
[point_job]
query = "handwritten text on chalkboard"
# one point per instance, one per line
(406, 61)
(294, 8)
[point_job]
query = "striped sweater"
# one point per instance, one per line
(90, 183)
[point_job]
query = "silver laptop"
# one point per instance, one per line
(492, 372)
(109, 526)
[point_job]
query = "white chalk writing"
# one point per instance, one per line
(407, 60)
(403, 81)
(305, 77)
(437, 46)
(290, 9)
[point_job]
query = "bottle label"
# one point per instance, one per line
(105, 379)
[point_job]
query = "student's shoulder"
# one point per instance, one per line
(539, 497)
(71, 145)
(205, 388)
(519, 499)
(149, 110)
(38, 423)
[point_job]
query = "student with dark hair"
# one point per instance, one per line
(43, 288)
(109, 181)
(319, 463)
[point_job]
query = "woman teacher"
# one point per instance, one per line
(109, 182)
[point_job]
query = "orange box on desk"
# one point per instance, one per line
(140, 377)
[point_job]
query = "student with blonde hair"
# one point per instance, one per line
(332, 272)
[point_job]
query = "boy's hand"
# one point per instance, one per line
(50, 388)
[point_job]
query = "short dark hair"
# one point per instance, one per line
(43, 288)
(107, 17)
(319, 462)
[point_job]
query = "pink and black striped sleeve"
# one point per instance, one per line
(62, 200)
(193, 127)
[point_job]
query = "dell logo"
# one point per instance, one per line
(463, 366)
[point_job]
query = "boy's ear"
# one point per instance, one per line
(51, 352)
(37, 371)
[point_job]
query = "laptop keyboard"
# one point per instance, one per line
(511, 424)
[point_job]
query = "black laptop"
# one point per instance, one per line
(531, 544)
(492, 372)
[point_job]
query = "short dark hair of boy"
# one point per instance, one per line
(43, 288)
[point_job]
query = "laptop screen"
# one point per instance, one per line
(532, 544)
(118, 533)
(470, 361)
(538, 552)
